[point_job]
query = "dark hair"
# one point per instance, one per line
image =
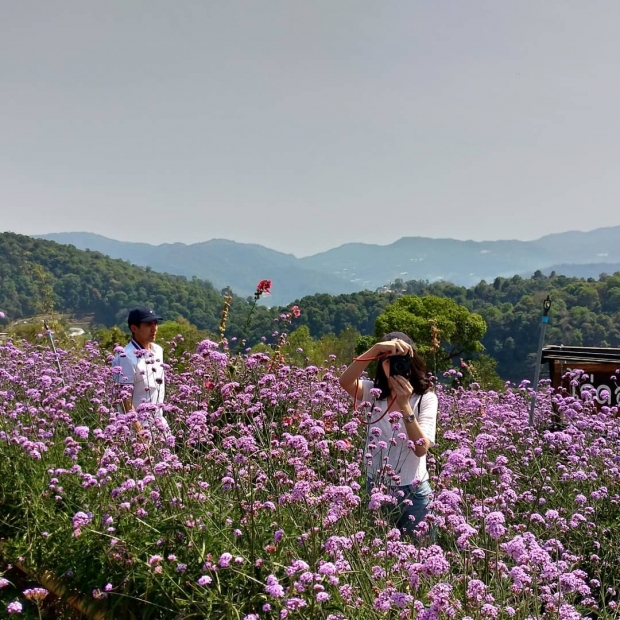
(419, 377)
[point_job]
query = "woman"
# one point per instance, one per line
(396, 445)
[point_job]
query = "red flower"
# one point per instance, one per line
(263, 287)
(296, 311)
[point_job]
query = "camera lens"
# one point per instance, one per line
(400, 365)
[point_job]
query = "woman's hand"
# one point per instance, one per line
(401, 389)
(350, 378)
(391, 347)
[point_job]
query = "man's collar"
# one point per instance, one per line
(137, 345)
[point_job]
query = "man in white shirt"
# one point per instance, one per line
(141, 365)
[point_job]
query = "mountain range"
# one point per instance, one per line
(357, 266)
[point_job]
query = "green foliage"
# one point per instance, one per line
(440, 328)
(299, 346)
(583, 312)
(38, 276)
(482, 370)
(34, 332)
(109, 337)
(327, 314)
(301, 349)
(364, 343)
(340, 347)
(180, 336)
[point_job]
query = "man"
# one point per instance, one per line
(141, 365)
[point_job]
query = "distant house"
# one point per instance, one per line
(76, 331)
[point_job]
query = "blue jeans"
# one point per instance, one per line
(411, 507)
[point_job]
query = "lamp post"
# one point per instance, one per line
(543, 325)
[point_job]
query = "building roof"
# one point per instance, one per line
(580, 354)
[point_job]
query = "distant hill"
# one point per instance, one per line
(601, 245)
(465, 263)
(37, 275)
(418, 258)
(582, 271)
(358, 266)
(223, 263)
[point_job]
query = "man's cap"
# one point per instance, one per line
(399, 336)
(142, 314)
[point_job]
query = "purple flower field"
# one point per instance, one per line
(254, 505)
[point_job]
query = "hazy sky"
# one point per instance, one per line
(305, 125)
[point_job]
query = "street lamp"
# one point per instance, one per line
(543, 325)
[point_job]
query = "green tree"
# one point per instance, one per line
(180, 336)
(442, 329)
(340, 347)
(109, 337)
(299, 346)
(34, 332)
(483, 371)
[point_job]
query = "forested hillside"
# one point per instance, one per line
(37, 276)
(583, 313)
(356, 266)
(224, 263)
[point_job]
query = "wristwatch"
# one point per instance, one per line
(410, 418)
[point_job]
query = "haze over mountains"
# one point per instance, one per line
(357, 266)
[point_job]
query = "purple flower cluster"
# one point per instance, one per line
(260, 490)
(80, 520)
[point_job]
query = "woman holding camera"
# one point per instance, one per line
(401, 425)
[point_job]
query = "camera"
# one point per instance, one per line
(400, 365)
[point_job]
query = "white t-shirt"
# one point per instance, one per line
(400, 457)
(144, 369)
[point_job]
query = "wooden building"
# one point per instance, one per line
(599, 364)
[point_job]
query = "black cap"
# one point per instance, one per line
(142, 314)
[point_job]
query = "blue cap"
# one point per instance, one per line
(142, 314)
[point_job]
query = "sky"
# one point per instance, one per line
(304, 125)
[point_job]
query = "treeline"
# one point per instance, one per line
(583, 313)
(44, 277)
(38, 276)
